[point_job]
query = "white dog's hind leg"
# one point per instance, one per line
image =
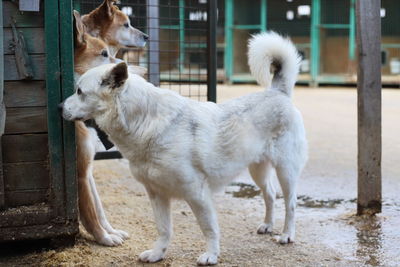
(262, 176)
(288, 179)
(202, 206)
(162, 215)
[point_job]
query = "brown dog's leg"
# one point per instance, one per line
(87, 207)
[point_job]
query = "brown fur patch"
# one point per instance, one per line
(105, 21)
(87, 208)
(86, 54)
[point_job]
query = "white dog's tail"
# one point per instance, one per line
(270, 52)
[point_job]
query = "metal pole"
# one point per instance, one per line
(153, 26)
(181, 35)
(315, 40)
(228, 55)
(212, 51)
(369, 199)
(263, 15)
(352, 31)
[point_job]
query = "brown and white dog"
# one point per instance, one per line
(112, 26)
(108, 24)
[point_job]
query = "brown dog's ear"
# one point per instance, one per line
(79, 30)
(117, 76)
(106, 9)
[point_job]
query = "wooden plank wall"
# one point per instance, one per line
(2, 107)
(25, 143)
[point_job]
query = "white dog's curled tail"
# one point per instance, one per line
(268, 53)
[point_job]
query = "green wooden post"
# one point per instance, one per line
(67, 83)
(181, 35)
(352, 31)
(263, 16)
(228, 56)
(315, 40)
(53, 99)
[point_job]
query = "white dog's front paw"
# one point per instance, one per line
(286, 238)
(264, 228)
(151, 255)
(207, 259)
(110, 240)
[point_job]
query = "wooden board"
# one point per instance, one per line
(26, 176)
(33, 215)
(24, 19)
(25, 94)
(1, 177)
(26, 120)
(2, 107)
(49, 230)
(23, 198)
(369, 87)
(25, 148)
(34, 38)
(38, 66)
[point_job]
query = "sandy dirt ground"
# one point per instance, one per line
(328, 232)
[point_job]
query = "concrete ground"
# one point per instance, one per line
(328, 232)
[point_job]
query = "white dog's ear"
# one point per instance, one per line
(117, 76)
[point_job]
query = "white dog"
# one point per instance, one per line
(181, 148)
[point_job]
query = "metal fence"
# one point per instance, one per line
(181, 53)
(177, 53)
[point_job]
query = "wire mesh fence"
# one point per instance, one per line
(177, 53)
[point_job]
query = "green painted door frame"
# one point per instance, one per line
(59, 85)
(229, 31)
(67, 89)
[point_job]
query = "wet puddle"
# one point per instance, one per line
(243, 190)
(368, 241)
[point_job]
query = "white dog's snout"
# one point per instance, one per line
(60, 106)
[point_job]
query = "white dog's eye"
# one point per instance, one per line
(126, 25)
(79, 91)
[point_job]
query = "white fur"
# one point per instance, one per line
(181, 148)
(130, 36)
(267, 47)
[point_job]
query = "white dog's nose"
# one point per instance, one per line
(60, 106)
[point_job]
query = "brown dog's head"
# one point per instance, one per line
(89, 51)
(111, 25)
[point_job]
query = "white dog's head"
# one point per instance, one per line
(95, 91)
